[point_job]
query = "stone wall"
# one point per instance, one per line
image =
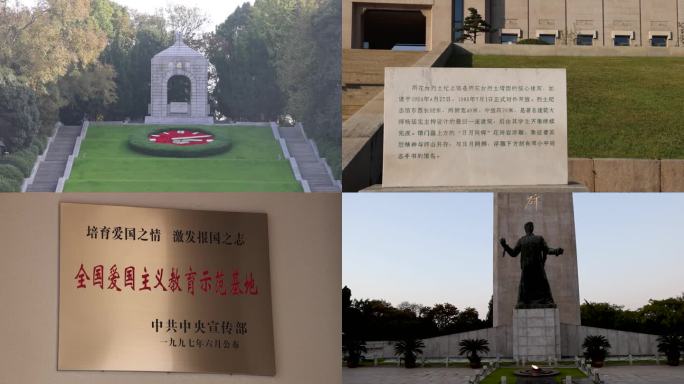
(628, 175)
(501, 343)
(622, 343)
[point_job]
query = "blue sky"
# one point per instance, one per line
(437, 247)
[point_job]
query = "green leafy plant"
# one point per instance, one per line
(473, 25)
(354, 350)
(10, 172)
(409, 348)
(9, 185)
(532, 42)
(672, 346)
(596, 349)
(471, 348)
(23, 160)
(141, 143)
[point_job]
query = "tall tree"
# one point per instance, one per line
(19, 115)
(88, 92)
(473, 25)
(246, 88)
(189, 21)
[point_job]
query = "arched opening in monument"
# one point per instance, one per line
(393, 29)
(179, 95)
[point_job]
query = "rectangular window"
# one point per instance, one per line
(459, 14)
(509, 38)
(659, 41)
(549, 39)
(621, 40)
(585, 40)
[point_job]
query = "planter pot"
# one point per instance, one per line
(597, 363)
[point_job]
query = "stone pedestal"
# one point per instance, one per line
(536, 334)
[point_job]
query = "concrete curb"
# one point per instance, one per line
(29, 180)
(70, 162)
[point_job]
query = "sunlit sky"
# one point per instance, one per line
(435, 248)
(217, 10)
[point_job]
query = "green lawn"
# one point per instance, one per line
(495, 377)
(254, 163)
(629, 107)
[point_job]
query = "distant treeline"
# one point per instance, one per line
(371, 320)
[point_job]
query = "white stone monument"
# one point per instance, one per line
(179, 60)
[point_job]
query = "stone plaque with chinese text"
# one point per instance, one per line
(474, 127)
(144, 289)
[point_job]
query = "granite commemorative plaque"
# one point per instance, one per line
(168, 290)
(474, 127)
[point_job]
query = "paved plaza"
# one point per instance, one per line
(655, 374)
(392, 375)
(395, 375)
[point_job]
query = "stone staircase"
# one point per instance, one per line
(310, 165)
(52, 167)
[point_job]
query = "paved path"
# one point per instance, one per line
(394, 375)
(310, 165)
(52, 168)
(657, 374)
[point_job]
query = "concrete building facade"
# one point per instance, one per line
(625, 23)
(658, 23)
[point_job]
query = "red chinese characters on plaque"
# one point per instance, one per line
(146, 289)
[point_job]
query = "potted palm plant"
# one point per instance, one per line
(671, 346)
(409, 348)
(354, 350)
(596, 349)
(471, 348)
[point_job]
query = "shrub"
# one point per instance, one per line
(471, 348)
(409, 348)
(8, 171)
(9, 185)
(140, 142)
(20, 161)
(596, 349)
(671, 346)
(354, 350)
(533, 42)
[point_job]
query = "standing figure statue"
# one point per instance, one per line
(534, 290)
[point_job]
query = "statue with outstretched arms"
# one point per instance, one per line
(534, 290)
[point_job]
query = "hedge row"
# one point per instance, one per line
(532, 42)
(141, 143)
(16, 167)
